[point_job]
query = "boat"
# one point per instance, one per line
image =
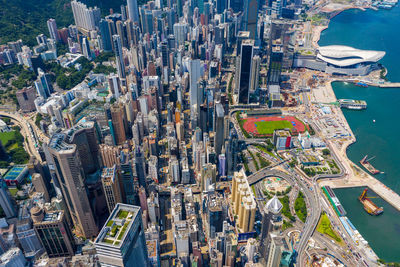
(369, 206)
(365, 163)
(373, 121)
(361, 84)
(385, 6)
(353, 104)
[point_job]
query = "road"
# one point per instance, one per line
(310, 189)
(30, 139)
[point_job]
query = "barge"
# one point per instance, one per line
(369, 206)
(365, 163)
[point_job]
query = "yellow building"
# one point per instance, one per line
(244, 205)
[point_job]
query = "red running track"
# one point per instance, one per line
(250, 126)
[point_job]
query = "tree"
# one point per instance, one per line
(105, 56)
(19, 155)
(62, 81)
(326, 152)
(6, 120)
(39, 117)
(293, 163)
(382, 261)
(104, 69)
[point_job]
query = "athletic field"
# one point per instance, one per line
(268, 124)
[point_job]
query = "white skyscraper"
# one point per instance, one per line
(52, 25)
(133, 11)
(85, 18)
(180, 32)
(174, 170)
(86, 48)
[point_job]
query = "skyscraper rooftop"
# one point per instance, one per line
(114, 231)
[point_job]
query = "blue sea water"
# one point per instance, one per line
(373, 30)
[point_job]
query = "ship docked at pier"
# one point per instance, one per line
(369, 206)
(365, 163)
(353, 104)
(384, 4)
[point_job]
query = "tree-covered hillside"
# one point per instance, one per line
(25, 19)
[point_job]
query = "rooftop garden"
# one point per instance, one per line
(118, 227)
(122, 232)
(122, 214)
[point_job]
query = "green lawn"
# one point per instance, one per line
(254, 190)
(286, 225)
(265, 150)
(263, 162)
(300, 207)
(121, 233)
(325, 227)
(254, 160)
(13, 191)
(123, 214)
(286, 209)
(6, 137)
(268, 127)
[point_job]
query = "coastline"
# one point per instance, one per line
(354, 175)
(317, 30)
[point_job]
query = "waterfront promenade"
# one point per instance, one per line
(354, 175)
(382, 84)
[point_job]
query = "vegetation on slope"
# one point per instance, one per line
(300, 207)
(286, 209)
(325, 227)
(25, 19)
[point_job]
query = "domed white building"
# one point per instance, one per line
(340, 59)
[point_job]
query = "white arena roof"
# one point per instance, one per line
(344, 56)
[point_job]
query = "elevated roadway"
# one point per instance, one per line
(267, 172)
(30, 142)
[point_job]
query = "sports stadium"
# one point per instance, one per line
(266, 125)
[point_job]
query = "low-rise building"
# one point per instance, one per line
(282, 139)
(26, 99)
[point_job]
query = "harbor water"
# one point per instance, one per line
(373, 30)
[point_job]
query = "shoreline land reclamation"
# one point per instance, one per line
(355, 176)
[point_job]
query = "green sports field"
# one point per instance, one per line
(268, 127)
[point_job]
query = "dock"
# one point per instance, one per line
(388, 85)
(369, 82)
(379, 188)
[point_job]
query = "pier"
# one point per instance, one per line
(370, 83)
(387, 85)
